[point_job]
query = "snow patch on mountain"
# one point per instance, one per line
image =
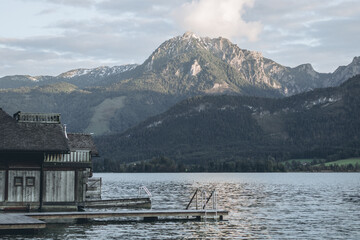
(325, 101)
(34, 79)
(154, 124)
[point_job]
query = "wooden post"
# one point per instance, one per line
(41, 191)
(6, 183)
(196, 202)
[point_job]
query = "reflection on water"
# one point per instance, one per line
(262, 206)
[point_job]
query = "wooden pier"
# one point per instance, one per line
(9, 221)
(143, 214)
(123, 202)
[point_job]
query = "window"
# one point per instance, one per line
(30, 181)
(18, 181)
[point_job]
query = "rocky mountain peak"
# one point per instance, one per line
(345, 72)
(189, 34)
(356, 60)
(176, 58)
(306, 66)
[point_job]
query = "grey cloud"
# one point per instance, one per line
(144, 8)
(46, 11)
(102, 41)
(295, 32)
(25, 62)
(126, 25)
(324, 33)
(74, 3)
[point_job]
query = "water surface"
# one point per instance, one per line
(261, 205)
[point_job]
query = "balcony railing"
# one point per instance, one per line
(37, 117)
(72, 157)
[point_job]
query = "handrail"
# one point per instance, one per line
(95, 181)
(208, 198)
(204, 200)
(146, 190)
(188, 205)
(203, 197)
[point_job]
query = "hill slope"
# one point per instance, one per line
(80, 77)
(323, 123)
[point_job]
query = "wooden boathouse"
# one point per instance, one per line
(42, 167)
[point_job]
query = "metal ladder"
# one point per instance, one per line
(146, 191)
(204, 200)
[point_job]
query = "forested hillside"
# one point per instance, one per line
(210, 130)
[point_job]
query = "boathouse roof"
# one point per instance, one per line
(82, 141)
(31, 135)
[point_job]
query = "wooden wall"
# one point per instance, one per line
(24, 193)
(2, 185)
(82, 179)
(59, 186)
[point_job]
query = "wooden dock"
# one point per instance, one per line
(123, 202)
(153, 214)
(10, 221)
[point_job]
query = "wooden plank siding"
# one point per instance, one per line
(25, 192)
(2, 185)
(82, 179)
(59, 186)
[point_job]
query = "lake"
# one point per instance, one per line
(261, 205)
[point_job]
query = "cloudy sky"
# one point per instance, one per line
(48, 37)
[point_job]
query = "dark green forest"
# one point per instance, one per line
(239, 133)
(164, 164)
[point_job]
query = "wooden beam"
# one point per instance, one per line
(143, 214)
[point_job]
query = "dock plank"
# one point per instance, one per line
(124, 202)
(13, 221)
(144, 214)
(19, 221)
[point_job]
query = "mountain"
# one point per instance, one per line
(322, 123)
(107, 100)
(80, 77)
(194, 65)
(93, 77)
(18, 81)
(344, 72)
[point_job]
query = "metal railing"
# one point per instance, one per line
(146, 191)
(203, 199)
(37, 117)
(78, 157)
